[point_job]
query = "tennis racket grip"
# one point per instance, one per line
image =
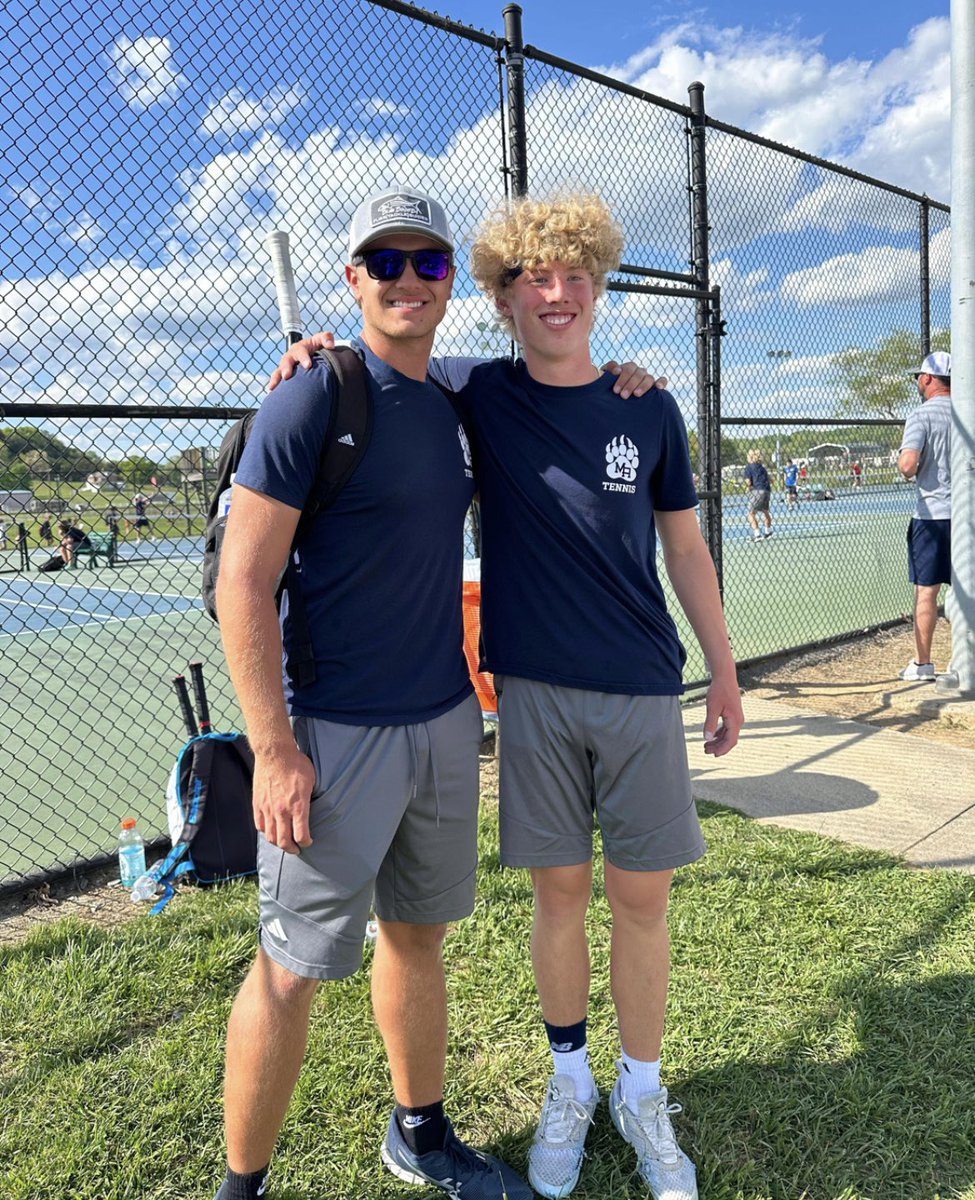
(278, 245)
(199, 689)
(182, 691)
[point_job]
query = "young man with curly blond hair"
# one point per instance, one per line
(575, 486)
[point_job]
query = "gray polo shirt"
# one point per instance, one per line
(928, 429)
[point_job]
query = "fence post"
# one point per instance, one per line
(707, 427)
(963, 352)
(515, 68)
(924, 214)
(715, 334)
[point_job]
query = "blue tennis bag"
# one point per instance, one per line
(211, 820)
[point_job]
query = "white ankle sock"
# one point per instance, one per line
(575, 1064)
(638, 1079)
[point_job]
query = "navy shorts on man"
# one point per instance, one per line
(929, 552)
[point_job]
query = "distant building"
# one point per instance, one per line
(99, 479)
(16, 501)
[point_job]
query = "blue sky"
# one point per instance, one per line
(145, 151)
(567, 28)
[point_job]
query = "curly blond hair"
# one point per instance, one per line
(576, 229)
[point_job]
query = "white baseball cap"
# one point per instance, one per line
(396, 210)
(938, 363)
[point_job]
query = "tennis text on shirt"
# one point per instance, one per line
(569, 479)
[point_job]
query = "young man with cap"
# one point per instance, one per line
(374, 790)
(925, 457)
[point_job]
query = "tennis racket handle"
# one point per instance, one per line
(199, 689)
(278, 245)
(182, 692)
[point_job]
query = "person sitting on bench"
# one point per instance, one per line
(71, 538)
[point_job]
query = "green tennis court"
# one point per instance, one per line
(91, 725)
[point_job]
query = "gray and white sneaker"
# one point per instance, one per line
(919, 672)
(663, 1166)
(555, 1159)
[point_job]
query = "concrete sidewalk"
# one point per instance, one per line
(804, 770)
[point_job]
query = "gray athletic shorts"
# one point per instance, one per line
(393, 818)
(758, 500)
(568, 754)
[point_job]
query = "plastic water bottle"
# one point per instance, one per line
(131, 853)
(144, 888)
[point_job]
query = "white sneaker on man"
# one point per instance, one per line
(918, 672)
(555, 1159)
(663, 1166)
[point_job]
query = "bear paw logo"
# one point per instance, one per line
(622, 459)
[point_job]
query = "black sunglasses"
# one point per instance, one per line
(387, 265)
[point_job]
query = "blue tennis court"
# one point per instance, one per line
(31, 605)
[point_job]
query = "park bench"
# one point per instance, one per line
(98, 545)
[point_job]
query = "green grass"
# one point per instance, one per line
(821, 1037)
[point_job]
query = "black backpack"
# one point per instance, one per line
(211, 819)
(346, 440)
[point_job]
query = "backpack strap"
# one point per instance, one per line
(347, 438)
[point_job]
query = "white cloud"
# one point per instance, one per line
(231, 389)
(144, 72)
(236, 114)
(377, 107)
(140, 335)
(878, 273)
(85, 232)
(888, 118)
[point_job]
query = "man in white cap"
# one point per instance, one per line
(925, 457)
(366, 779)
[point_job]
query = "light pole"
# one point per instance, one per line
(778, 357)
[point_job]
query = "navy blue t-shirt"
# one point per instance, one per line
(382, 569)
(569, 479)
(757, 477)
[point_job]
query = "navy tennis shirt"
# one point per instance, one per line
(382, 569)
(569, 479)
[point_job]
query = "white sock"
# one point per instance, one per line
(638, 1079)
(575, 1064)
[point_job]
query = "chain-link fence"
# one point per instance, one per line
(830, 291)
(145, 156)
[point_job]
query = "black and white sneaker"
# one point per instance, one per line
(460, 1171)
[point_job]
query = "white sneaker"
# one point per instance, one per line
(919, 672)
(756, 537)
(555, 1159)
(663, 1166)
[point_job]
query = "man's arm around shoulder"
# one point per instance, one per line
(255, 551)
